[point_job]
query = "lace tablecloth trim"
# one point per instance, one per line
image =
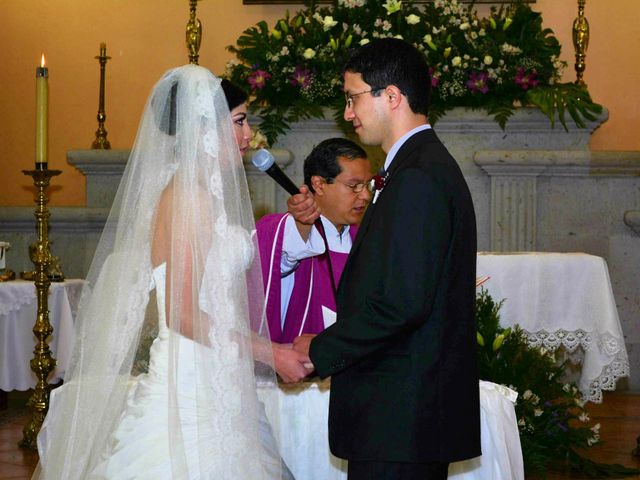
(607, 380)
(12, 303)
(572, 339)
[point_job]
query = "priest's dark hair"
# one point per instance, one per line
(391, 61)
(323, 159)
(235, 95)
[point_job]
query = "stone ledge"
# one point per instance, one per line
(62, 220)
(99, 162)
(460, 120)
(558, 163)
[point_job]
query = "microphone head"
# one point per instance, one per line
(262, 160)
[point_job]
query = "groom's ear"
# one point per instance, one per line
(394, 95)
(318, 183)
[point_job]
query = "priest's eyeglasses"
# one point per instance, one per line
(348, 97)
(355, 188)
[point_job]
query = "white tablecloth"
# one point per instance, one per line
(562, 299)
(305, 447)
(18, 310)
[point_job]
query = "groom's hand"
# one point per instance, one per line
(290, 365)
(302, 343)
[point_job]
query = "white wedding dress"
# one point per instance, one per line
(140, 447)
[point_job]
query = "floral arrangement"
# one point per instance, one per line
(495, 63)
(555, 428)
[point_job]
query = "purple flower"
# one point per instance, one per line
(478, 82)
(434, 78)
(526, 80)
(258, 79)
(301, 76)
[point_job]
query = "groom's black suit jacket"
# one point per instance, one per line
(402, 354)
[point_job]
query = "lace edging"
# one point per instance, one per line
(571, 340)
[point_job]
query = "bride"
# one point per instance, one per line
(177, 258)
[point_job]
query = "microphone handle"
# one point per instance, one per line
(281, 179)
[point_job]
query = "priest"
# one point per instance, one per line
(300, 274)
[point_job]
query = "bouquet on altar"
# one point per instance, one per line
(495, 63)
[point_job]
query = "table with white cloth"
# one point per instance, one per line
(562, 300)
(18, 312)
(304, 443)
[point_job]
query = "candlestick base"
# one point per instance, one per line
(6, 275)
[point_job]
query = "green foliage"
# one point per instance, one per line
(553, 422)
(495, 63)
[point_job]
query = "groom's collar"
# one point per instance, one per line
(396, 146)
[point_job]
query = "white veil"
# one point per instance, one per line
(183, 203)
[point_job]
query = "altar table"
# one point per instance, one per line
(18, 311)
(305, 446)
(562, 300)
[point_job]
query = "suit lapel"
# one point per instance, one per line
(401, 158)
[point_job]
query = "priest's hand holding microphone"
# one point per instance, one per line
(301, 205)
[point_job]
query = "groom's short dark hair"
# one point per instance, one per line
(323, 159)
(390, 61)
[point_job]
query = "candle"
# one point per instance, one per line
(103, 49)
(42, 114)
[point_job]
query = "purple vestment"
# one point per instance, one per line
(312, 286)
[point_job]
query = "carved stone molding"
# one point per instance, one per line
(514, 175)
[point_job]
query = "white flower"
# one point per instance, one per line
(510, 49)
(364, 41)
(526, 395)
(328, 22)
(566, 387)
(596, 428)
(456, 61)
(352, 3)
(392, 6)
(412, 19)
(427, 38)
(399, 37)
(488, 60)
(465, 26)
(309, 53)
(537, 412)
(584, 417)
(521, 422)
(284, 51)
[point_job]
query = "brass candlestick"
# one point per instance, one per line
(101, 141)
(194, 33)
(580, 41)
(42, 362)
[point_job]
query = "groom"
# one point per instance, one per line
(402, 357)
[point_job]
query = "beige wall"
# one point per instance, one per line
(146, 37)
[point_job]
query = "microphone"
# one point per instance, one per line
(263, 160)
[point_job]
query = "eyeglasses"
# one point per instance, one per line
(348, 97)
(355, 188)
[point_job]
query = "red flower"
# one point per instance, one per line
(526, 81)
